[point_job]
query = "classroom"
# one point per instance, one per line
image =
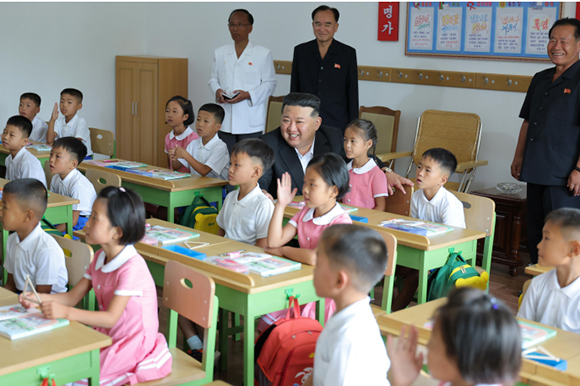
(49, 46)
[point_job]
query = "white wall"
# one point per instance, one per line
(38, 54)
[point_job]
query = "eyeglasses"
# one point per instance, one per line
(239, 25)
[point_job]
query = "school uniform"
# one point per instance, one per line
(181, 140)
(444, 208)
(248, 219)
(39, 256)
(213, 154)
(310, 228)
(76, 185)
(350, 350)
(547, 303)
(39, 128)
(76, 127)
(24, 165)
(366, 183)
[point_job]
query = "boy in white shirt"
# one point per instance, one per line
(70, 124)
(553, 298)
(30, 250)
(20, 163)
(350, 260)
(208, 155)
(66, 155)
(29, 107)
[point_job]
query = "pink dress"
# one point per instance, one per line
(366, 183)
(181, 140)
(139, 353)
(309, 229)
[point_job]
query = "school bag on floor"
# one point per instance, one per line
(284, 352)
(200, 215)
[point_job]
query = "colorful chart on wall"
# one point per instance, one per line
(492, 30)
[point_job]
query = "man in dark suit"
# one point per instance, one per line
(327, 68)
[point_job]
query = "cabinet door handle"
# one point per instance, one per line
(135, 108)
(132, 108)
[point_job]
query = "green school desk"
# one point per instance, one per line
(414, 251)
(68, 354)
(250, 296)
(41, 155)
(171, 193)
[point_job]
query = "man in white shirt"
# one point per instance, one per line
(242, 80)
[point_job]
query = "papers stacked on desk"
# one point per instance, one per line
(165, 235)
(417, 227)
(17, 322)
(262, 264)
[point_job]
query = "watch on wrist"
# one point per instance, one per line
(389, 170)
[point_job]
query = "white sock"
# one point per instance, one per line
(195, 343)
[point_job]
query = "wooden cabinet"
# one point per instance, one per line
(144, 84)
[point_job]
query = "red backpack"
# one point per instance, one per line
(284, 352)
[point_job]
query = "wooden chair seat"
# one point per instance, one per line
(185, 369)
(274, 116)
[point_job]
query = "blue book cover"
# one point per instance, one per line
(186, 251)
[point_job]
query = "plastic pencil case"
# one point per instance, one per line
(359, 218)
(185, 251)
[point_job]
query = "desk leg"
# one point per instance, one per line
(95, 378)
(5, 235)
(223, 337)
(69, 223)
(249, 327)
(423, 274)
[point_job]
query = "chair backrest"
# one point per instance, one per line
(391, 242)
(102, 141)
(101, 179)
(47, 173)
(274, 112)
(189, 293)
(399, 202)
(459, 133)
(387, 123)
(478, 212)
(78, 257)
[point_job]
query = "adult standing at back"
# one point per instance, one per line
(327, 68)
(547, 156)
(242, 80)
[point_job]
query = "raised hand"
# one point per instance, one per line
(54, 115)
(285, 192)
(405, 363)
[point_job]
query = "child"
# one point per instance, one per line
(207, 155)
(20, 163)
(350, 260)
(475, 340)
(125, 293)
(66, 155)
(553, 298)
(29, 107)
(70, 124)
(368, 183)
(30, 250)
(179, 115)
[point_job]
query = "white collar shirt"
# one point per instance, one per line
(181, 136)
(325, 219)
(213, 154)
(76, 127)
(24, 165)
(76, 185)
(306, 158)
(363, 169)
(444, 208)
(39, 128)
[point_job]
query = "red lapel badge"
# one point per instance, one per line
(336, 65)
(250, 63)
(567, 91)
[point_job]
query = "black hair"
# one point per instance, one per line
(302, 100)
(215, 109)
(567, 219)
(186, 106)
(360, 250)
(22, 123)
(326, 8)
(248, 14)
(125, 210)
(444, 158)
(333, 171)
(567, 21)
(72, 145)
(74, 93)
(32, 96)
(256, 148)
(481, 335)
(368, 131)
(30, 191)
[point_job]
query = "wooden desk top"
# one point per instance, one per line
(34, 152)
(23, 353)
(536, 270)
(179, 184)
(459, 235)
(54, 200)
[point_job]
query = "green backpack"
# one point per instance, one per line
(200, 215)
(442, 280)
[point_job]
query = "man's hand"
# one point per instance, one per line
(263, 191)
(396, 181)
(516, 168)
(574, 182)
(242, 96)
(219, 96)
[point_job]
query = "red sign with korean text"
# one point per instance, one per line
(388, 21)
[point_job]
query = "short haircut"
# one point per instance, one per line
(256, 149)
(72, 145)
(368, 131)
(481, 335)
(567, 219)
(303, 100)
(326, 8)
(74, 93)
(22, 123)
(444, 158)
(215, 109)
(248, 14)
(333, 171)
(30, 194)
(360, 250)
(126, 211)
(567, 21)
(32, 96)
(186, 106)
